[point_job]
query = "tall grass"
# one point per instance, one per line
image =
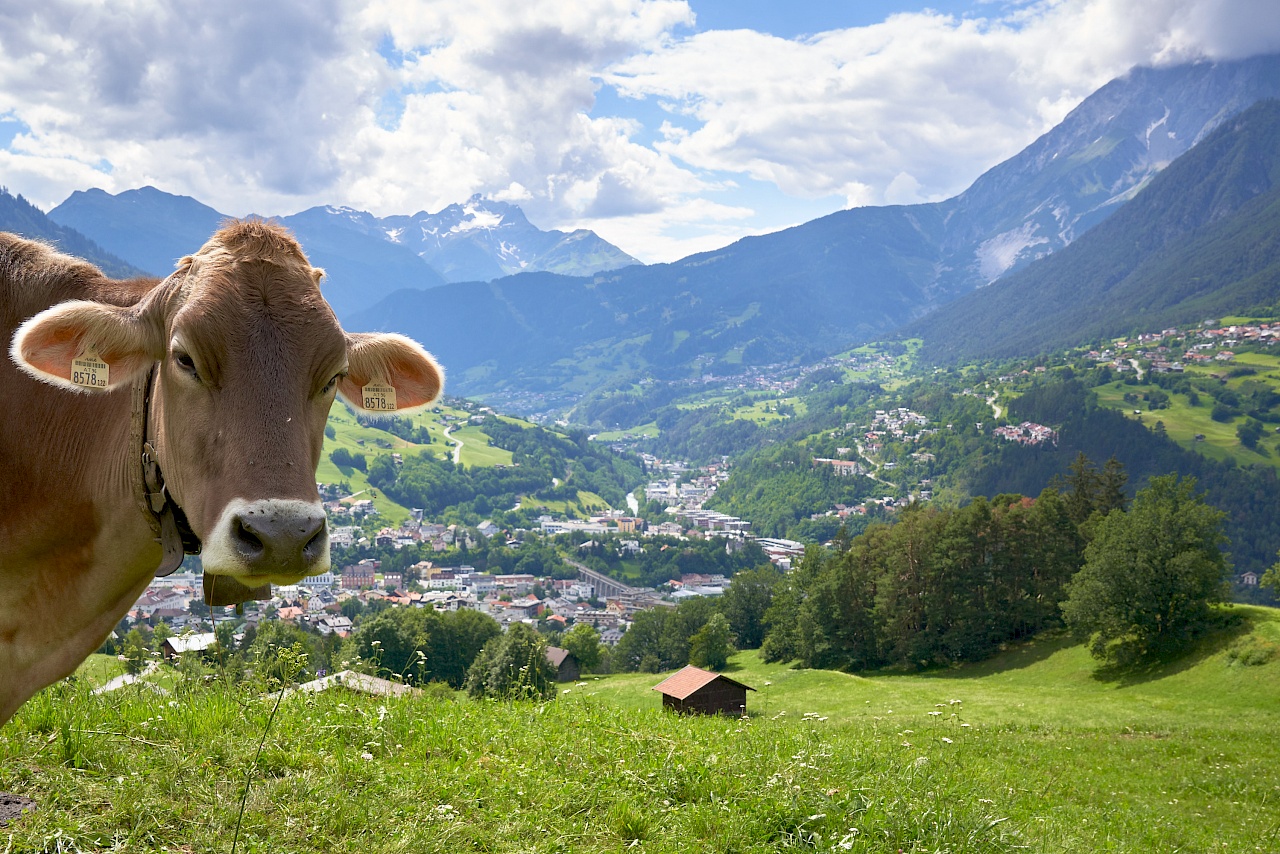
(1034, 752)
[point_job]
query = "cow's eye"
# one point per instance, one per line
(333, 382)
(187, 364)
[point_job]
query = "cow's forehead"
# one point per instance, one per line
(252, 278)
(255, 240)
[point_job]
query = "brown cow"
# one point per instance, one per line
(141, 416)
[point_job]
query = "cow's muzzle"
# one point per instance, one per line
(276, 541)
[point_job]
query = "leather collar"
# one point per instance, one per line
(168, 522)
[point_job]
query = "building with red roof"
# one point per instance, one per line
(693, 690)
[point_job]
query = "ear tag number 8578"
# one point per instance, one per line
(379, 397)
(89, 371)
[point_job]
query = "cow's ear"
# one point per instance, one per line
(69, 344)
(378, 361)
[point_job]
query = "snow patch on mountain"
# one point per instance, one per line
(1001, 252)
(477, 217)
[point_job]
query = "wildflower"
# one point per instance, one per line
(367, 757)
(934, 714)
(946, 740)
(964, 725)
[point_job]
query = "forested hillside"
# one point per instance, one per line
(1202, 240)
(549, 470)
(939, 586)
(21, 217)
(1249, 495)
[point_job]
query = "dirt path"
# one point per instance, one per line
(457, 448)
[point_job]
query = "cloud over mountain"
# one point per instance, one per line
(616, 115)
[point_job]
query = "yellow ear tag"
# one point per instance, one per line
(89, 371)
(379, 397)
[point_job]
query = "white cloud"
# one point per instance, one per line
(916, 107)
(396, 106)
(501, 92)
(253, 97)
(682, 229)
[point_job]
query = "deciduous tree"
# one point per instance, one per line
(513, 667)
(712, 645)
(1150, 574)
(583, 641)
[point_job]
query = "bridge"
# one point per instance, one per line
(606, 587)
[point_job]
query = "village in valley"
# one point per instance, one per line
(879, 451)
(324, 604)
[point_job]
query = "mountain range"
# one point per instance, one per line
(839, 280)
(365, 258)
(19, 216)
(817, 288)
(1200, 241)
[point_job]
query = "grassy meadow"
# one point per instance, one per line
(1183, 422)
(370, 441)
(1032, 751)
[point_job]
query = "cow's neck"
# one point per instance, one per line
(75, 551)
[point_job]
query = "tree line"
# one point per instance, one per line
(947, 585)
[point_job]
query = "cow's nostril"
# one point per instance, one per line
(316, 544)
(248, 543)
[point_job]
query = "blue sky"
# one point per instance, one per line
(790, 20)
(667, 126)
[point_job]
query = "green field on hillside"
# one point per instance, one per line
(765, 411)
(1033, 751)
(1184, 423)
(476, 450)
(645, 431)
(372, 441)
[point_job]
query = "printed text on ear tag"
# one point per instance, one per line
(89, 371)
(379, 397)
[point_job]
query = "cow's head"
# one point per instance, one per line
(248, 360)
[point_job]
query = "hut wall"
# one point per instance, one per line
(717, 698)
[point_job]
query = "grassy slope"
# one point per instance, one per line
(1054, 759)
(370, 441)
(1184, 422)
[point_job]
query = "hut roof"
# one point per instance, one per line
(685, 682)
(359, 682)
(189, 642)
(556, 655)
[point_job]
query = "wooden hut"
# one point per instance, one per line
(565, 663)
(697, 691)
